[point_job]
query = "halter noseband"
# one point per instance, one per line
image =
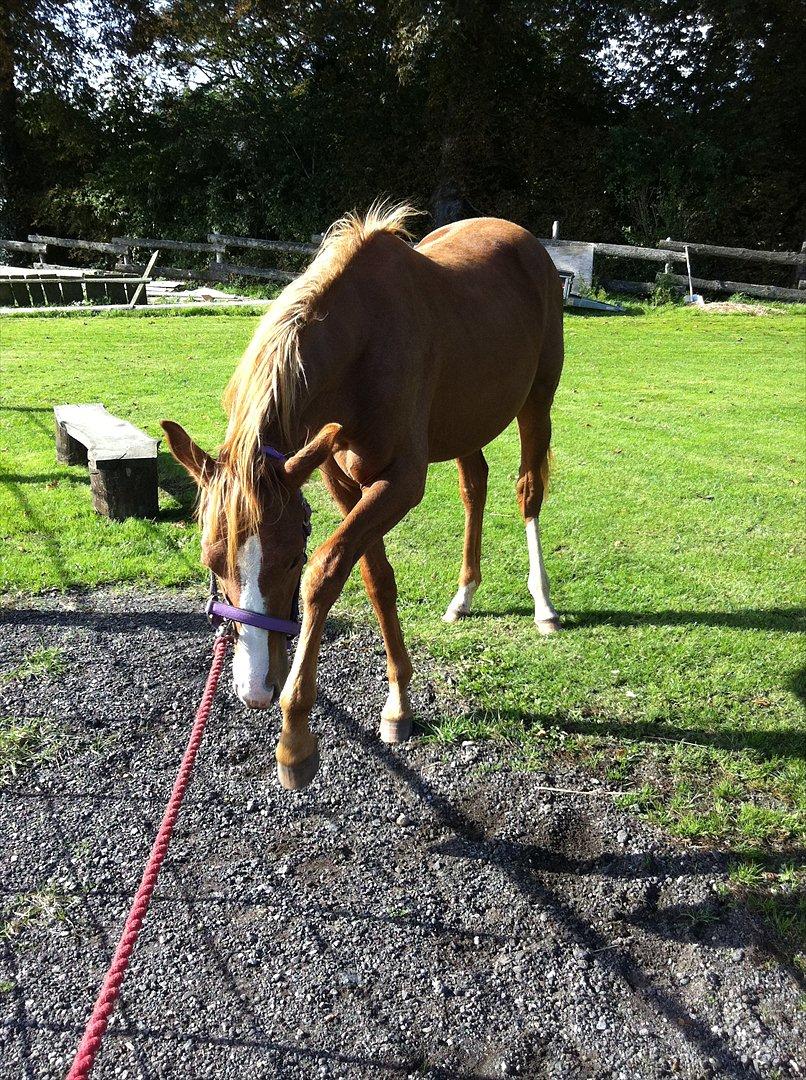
(220, 612)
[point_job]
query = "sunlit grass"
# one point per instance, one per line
(673, 536)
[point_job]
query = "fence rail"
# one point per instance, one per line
(784, 258)
(106, 248)
(627, 251)
(746, 288)
(670, 253)
(224, 241)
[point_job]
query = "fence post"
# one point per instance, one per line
(220, 249)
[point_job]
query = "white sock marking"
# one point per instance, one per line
(538, 578)
(461, 603)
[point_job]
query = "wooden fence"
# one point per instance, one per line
(221, 266)
(125, 248)
(671, 252)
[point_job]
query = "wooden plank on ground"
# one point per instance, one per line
(786, 258)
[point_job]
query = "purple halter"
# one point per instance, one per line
(218, 611)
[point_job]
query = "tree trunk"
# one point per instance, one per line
(448, 205)
(12, 226)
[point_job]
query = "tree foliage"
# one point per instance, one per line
(255, 116)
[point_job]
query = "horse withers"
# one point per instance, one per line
(380, 359)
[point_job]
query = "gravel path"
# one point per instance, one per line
(416, 912)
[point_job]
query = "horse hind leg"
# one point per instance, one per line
(473, 490)
(535, 432)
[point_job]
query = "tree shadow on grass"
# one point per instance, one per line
(32, 412)
(784, 620)
(174, 480)
(43, 530)
(46, 478)
(768, 742)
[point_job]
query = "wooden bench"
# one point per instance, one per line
(121, 458)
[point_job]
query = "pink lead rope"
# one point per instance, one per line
(110, 991)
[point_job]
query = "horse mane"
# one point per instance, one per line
(270, 377)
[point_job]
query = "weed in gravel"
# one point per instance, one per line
(25, 741)
(42, 661)
(47, 906)
(777, 893)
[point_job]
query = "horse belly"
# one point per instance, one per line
(494, 285)
(477, 397)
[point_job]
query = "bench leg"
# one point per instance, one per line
(69, 451)
(122, 489)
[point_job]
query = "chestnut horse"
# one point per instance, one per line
(378, 360)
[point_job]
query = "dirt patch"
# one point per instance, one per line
(416, 912)
(731, 307)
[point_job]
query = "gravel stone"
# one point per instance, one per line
(417, 911)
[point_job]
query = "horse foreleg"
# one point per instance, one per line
(379, 582)
(381, 505)
(473, 490)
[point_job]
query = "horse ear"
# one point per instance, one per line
(299, 467)
(199, 464)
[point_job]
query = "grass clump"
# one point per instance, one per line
(47, 906)
(46, 660)
(25, 741)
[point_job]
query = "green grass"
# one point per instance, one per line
(42, 661)
(46, 906)
(25, 741)
(673, 536)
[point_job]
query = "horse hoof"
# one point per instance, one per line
(396, 731)
(548, 626)
(298, 776)
(454, 615)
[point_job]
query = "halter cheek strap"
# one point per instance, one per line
(270, 452)
(218, 611)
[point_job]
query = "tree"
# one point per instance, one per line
(62, 49)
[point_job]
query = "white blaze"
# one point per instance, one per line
(538, 578)
(250, 662)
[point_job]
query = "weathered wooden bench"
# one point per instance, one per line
(121, 458)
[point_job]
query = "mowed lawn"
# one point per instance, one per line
(673, 535)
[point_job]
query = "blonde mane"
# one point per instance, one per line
(269, 379)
